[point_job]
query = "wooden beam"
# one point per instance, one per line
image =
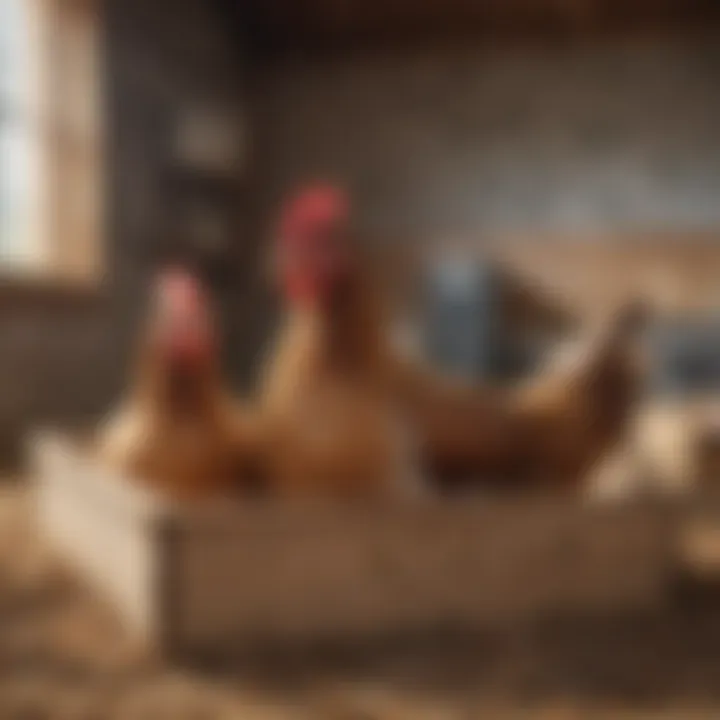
(310, 24)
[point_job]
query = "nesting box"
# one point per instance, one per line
(216, 577)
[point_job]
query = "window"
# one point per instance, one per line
(20, 138)
(50, 199)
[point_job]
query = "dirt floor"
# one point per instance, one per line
(63, 656)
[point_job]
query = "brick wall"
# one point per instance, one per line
(63, 353)
(601, 136)
(164, 57)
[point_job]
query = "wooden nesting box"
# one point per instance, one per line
(213, 578)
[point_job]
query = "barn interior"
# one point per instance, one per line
(522, 168)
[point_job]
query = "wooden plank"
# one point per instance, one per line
(304, 573)
(224, 575)
(336, 24)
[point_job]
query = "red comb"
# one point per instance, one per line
(184, 325)
(314, 209)
(179, 287)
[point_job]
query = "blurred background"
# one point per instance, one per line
(524, 164)
(575, 138)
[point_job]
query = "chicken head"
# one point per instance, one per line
(181, 325)
(313, 248)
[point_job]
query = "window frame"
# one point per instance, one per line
(65, 39)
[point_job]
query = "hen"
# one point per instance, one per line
(178, 429)
(332, 429)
